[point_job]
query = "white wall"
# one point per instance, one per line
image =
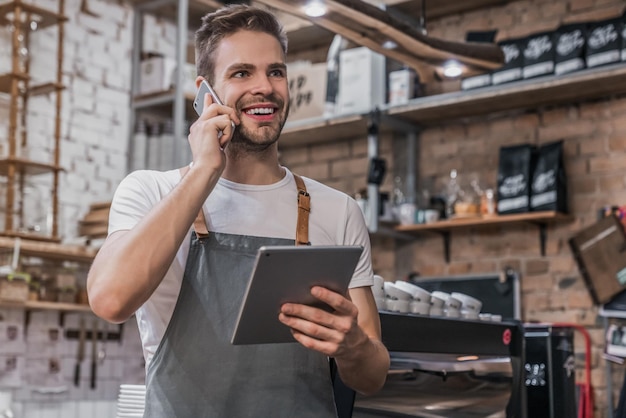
(40, 390)
(94, 147)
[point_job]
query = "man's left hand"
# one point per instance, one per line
(335, 333)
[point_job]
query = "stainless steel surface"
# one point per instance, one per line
(430, 385)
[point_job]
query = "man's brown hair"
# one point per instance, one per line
(227, 21)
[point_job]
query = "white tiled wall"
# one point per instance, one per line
(37, 391)
(94, 146)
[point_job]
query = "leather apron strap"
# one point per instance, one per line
(304, 208)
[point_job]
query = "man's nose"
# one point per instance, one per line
(262, 85)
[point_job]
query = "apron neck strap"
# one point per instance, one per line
(304, 208)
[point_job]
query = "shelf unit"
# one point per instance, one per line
(48, 251)
(420, 112)
(23, 18)
(46, 306)
(433, 110)
(303, 35)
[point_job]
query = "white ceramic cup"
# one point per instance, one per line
(469, 303)
(406, 213)
(393, 292)
(469, 314)
(453, 303)
(417, 293)
(436, 311)
(439, 298)
(378, 288)
(452, 313)
(397, 305)
(431, 216)
(381, 303)
(419, 308)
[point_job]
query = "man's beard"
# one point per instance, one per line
(261, 138)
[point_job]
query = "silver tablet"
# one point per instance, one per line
(286, 274)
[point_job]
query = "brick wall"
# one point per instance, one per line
(594, 135)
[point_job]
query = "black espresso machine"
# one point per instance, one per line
(451, 367)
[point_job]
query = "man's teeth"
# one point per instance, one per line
(260, 111)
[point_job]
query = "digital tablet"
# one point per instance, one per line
(286, 274)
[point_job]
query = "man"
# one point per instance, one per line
(185, 284)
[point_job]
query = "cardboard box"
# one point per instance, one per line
(361, 81)
(403, 86)
(604, 42)
(157, 74)
(599, 251)
(307, 90)
(538, 55)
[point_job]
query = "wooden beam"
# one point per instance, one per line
(370, 26)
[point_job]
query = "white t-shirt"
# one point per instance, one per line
(242, 209)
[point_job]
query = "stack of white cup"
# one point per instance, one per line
(378, 289)
(396, 299)
(470, 306)
(419, 303)
(437, 302)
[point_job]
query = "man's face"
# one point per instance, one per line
(251, 77)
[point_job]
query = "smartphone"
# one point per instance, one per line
(198, 102)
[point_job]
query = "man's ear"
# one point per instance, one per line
(199, 80)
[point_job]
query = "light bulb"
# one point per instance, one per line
(452, 69)
(315, 8)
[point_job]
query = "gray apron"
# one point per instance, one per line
(197, 373)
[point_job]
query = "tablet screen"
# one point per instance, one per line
(286, 274)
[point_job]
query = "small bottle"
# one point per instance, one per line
(488, 203)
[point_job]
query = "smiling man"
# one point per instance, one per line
(181, 247)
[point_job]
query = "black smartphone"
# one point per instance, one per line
(198, 102)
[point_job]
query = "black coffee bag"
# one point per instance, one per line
(569, 43)
(515, 169)
(538, 55)
(511, 70)
(549, 183)
(604, 42)
(624, 37)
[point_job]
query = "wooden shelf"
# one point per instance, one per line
(541, 219)
(28, 167)
(437, 109)
(44, 88)
(50, 250)
(43, 17)
(6, 80)
(470, 222)
(45, 306)
(318, 130)
(548, 90)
